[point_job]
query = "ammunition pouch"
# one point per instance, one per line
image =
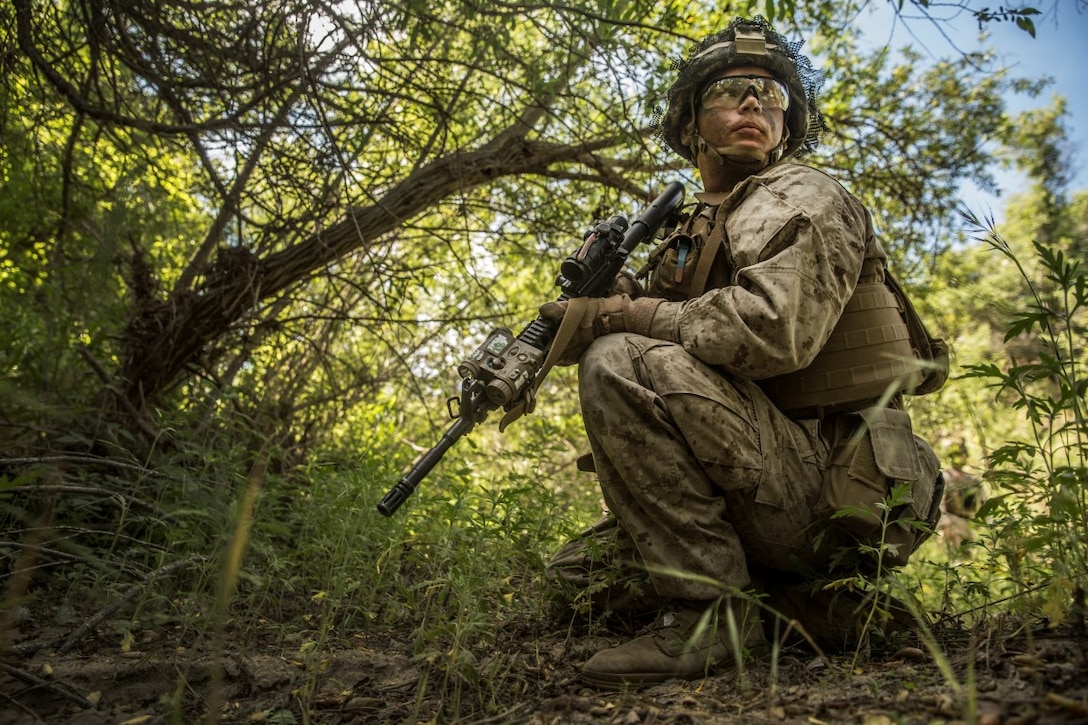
(675, 266)
(679, 268)
(873, 450)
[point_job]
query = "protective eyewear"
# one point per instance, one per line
(730, 92)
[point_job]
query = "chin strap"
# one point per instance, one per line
(778, 151)
(698, 145)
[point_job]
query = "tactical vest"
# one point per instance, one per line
(879, 348)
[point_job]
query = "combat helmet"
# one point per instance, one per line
(746, 42)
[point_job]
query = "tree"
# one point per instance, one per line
(977, 293)
(339, 180)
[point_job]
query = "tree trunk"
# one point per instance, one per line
(165, 337)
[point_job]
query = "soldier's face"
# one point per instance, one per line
(742, 121)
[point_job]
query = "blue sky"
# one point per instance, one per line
(1058, 50)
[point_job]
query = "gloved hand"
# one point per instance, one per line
(626, 284)
(603, 316)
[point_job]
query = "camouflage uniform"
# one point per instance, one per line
(703, 471)
(754, 389)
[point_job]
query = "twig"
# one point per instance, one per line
(39, 549)
(986, 605)
(76, 458)
(63, 689)
(1075, 707)
(93, 490)
(130, 593)
(21, 706)
(502, 716)
(137, 417)
(73, 531)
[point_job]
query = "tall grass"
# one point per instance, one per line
(460, 567)
(1039, 517)
(201, 539)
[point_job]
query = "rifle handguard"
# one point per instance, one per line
(505, 371)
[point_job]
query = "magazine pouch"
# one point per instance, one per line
(679, 267)
(873, 450)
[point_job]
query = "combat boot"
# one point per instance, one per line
(601, 573)
(686, 642)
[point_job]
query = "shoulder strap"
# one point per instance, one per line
(709, 251)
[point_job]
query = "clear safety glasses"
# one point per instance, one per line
(730, 91)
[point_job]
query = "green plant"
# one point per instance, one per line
(1041, 514)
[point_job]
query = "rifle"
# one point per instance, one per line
(502, 370)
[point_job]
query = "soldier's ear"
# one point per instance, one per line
(685, 132)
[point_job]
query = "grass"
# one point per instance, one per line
(220, 548)
(460, 568)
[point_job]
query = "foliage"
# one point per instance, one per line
(913, 190)
(1013, 300)
(1022, 17)
(342, 199)
(1042, 511)
(236, 285)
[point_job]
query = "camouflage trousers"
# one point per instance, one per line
(703, 473)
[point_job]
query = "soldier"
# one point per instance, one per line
(756, 384)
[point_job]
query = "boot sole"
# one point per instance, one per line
(609, 681)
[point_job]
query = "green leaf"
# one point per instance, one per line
(990, 508)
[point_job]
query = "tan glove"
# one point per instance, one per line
(626, 284)
(603, 316)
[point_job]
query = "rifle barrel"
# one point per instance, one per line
(406, 485)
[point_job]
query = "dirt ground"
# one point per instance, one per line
(158, 677)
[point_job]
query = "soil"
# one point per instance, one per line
(156, 676)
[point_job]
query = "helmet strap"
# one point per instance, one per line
(780, 150)
(699, 145)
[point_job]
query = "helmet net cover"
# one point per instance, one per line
(722, 50)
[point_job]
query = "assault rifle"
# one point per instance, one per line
(501, 372)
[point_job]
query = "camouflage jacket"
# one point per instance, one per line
(787, 249)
